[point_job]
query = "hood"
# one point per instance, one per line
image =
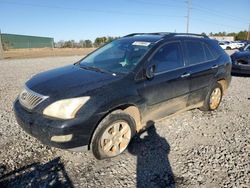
(243, 54)
(68, 81)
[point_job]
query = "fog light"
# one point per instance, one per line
(62, 138)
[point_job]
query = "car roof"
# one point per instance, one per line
(149, 37)
(154, 37)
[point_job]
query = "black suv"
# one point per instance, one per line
(100, 102)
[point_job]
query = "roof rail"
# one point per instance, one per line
(168, 34)
(189, 34)
(133, 34)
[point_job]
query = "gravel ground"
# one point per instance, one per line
(192, 149)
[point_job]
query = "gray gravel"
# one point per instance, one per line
(192, 149)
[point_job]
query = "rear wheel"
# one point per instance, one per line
(112, 135)
(213, 99)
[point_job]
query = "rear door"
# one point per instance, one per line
(168, 91)
(202, 66)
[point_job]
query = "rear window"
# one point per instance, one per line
(195, 52)
(209, 55)
(215, 48)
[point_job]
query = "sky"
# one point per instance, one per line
(88, 19)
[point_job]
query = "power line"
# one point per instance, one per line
(214, 23)
(199, 8)
(88, 10)
(218, 13)
(156, 4)
(194, 7)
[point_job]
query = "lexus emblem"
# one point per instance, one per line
(24, 96)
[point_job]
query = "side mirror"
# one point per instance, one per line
(150, 71)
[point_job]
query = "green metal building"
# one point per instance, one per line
(12, 41)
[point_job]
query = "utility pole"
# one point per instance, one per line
(248, 34)
(1, 46)
(188, 13)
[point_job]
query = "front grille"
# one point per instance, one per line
(30, 99)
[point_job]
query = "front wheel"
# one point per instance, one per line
(213, 99)
(112, 135)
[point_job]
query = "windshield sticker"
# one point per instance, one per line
(141, 43)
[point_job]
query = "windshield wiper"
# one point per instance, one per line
(92, 68)
(97, 69)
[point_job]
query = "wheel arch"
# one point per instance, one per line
(224, 79)
(129, 109)
(223, 82)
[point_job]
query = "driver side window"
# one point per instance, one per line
(168, 57)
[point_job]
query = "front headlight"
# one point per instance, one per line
(65, 109)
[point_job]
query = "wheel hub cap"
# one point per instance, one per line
(215, 98)
(115, 138)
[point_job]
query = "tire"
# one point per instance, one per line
(212, 100)
(228, 48)
(112, 135)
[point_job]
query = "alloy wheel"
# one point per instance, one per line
(215, 98)
(115, 138)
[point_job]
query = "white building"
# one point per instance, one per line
(222, 38)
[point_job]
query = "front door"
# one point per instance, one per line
(167, 92)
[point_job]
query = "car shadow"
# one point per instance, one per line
(51, 174)
(153, 166)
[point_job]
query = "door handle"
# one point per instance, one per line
(214, 67)
(185, 75)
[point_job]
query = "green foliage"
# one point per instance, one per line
(69, 44)
(242, 35)
(99, 41)
(88, 44)
(85, 44)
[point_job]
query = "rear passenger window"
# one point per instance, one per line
(215, 48)
(168, 57)
(195, 52)
(209, 55)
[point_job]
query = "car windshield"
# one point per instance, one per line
(119, 56)
(247, 47)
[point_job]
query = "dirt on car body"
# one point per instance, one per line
(191, 149)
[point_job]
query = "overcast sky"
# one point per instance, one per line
(88, 19)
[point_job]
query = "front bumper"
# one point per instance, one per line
(241, 69)
(44, 128)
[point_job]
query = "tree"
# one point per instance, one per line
(69, 44)
(82, 44)
(242, 35)
(59, 44)
(88, 44)
(232, 34)
(99, 41)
